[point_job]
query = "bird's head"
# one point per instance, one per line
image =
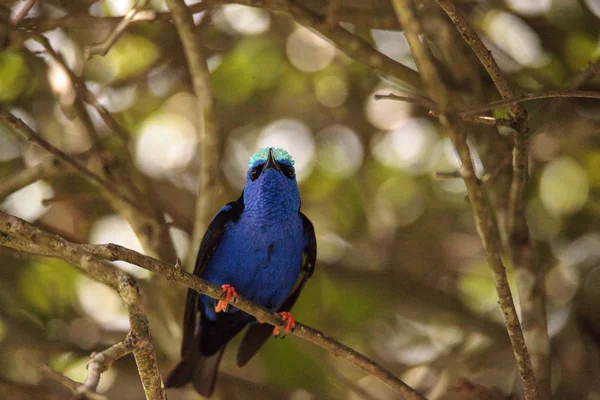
(271, 181)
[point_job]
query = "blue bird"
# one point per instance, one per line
(260, 246)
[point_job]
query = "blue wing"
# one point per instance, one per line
(229, 213)
(198, 365)
(258, 334)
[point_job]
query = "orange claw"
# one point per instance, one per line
(230, 293)
(290, 323)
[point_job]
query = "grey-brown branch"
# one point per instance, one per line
(20, 235)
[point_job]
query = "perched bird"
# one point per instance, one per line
(260, 246)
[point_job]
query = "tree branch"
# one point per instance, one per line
(73, 386)
(486, 226)
(208, 145)
(23, 11)
(23, 236)
(102, 48)
(20, 235)
(100, 362)
(47, 169)
(528, 97)
(352, 45)
(530, 284)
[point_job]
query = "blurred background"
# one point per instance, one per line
(401, 275)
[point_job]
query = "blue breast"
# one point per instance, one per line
(260, 255)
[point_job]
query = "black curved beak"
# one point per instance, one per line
(271, 163)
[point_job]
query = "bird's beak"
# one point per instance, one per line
(271, 163)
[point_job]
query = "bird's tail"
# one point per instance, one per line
(199, 369)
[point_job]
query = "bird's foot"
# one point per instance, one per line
(230, 293)
(290, 323)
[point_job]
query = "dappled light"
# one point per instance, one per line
(395, 190)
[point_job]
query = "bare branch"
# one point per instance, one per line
(74, 101)
(23, 11)
(23, 236)
(73, 386)
(486, 226)
(412, 98)
(100, 362)
(20, 235)
(528, 97)
(102, 48)
(46, 169)
(24, 130)
(531, 290)
(208, 145)
(352, 45)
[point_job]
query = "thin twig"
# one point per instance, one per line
(20, 235)
(22, 13)
(100, 362)
(412, 98)
(73, 386)
(47, 169)
(208, 145)
(115, 34)
(358, 17)
(531, 286)
(478, 109)
(24, 130)
(23, 236)
(352, 45)
(486, 226)
(528, 97)
(75, 101)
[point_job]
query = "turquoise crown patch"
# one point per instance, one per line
(262, 154)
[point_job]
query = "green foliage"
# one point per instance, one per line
(47, 285)
(579, 48)
(253, 64)
(15, 75)
(131, 56)
(289, 365)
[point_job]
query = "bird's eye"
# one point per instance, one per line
(256, 172)
(287, 170)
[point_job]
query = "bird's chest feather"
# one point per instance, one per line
(260, 255)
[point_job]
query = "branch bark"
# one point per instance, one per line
(20, 235)
(208, 145)
(47, 169)
(486, 226)
(100, 362)
(530, 277)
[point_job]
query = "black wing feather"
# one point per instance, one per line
(195, 366)
(210, 241)
(258, 334)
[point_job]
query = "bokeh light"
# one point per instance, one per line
(242, 19)
(408, 146)
(386, 114)
(331, 90)
(309, 52)
(593, 6)
(339, 151)
(391, 43)
(516, 38)
(166, 143)
(564, 186)
(293, 136)
(530, 8)
(27, 202)
(101, 303)
(114, 229)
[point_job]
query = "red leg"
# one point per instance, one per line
(290, 323)
(230, 293)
